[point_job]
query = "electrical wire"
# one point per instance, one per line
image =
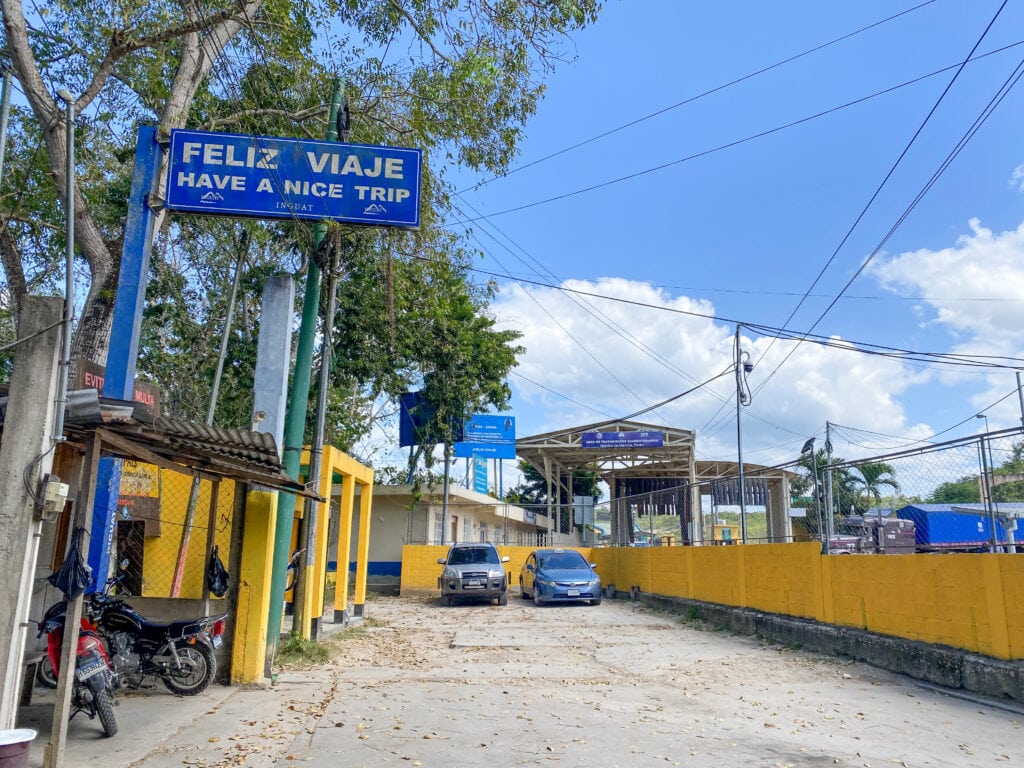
(994, 102)
(736, 142)
(697, 97)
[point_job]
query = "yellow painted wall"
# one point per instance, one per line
(974, 602)
(161, 552)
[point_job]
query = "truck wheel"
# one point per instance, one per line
(503, 598)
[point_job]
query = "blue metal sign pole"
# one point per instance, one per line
(123, 352)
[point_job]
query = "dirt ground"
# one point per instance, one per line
(601, 686)
(618, 684)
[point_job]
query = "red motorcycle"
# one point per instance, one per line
(93, 685)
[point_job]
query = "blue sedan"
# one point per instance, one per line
(558, 576)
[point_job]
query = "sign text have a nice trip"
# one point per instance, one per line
(231, 175)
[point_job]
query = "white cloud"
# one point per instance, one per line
(618, 357)
(1017, 177)
(975, 290)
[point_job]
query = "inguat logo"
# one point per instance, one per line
(211, 197)
(375, 209)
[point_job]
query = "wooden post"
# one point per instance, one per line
(53, 756)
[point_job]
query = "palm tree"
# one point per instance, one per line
(872, 476)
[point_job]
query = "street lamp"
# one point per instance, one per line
(987, 474)
(809, 449)
(985, 417)
(743, 397)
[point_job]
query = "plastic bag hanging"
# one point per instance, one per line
(74, 574)
(216, 574)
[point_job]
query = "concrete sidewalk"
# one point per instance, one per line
(157, 728)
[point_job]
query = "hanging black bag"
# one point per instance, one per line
(74, 574)
(216, 575)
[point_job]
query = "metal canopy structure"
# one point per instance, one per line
(564, 450)
(556, 454)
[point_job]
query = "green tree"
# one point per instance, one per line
(473, 77)
(962, 491)
(869, 479)
(533, 489)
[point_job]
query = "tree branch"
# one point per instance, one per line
(419, 31)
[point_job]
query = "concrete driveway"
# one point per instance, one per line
(612, 685)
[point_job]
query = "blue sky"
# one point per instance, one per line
(741, 233)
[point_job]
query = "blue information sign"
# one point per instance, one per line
(232, 175)
(487, 450)
(483, 428)
(644, 439)
(480, 474)
(490, 436)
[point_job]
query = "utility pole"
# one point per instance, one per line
(1020, 398)
(295, 419)
(830, 519)
(743, 367)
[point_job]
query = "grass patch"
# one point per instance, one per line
(296, 651)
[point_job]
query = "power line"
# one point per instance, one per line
(995, 101)
(735, 143)
(701, 95)
(850, 345)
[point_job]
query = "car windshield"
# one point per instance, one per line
(562, 560)
(473, 555)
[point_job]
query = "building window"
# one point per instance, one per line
(483, 532)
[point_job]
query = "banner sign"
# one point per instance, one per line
(483, 428)
(644, 439)
(490, 436)
(487, 450)
(224, 174)
(90, 375)
(480, 475)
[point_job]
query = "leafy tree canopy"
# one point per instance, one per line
(458, 80)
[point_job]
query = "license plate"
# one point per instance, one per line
(85, 671)
(474, 583)
(572, 592)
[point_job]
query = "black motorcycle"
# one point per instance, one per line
(92, 688)
(180, 653)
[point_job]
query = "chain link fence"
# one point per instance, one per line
(965, 495)
(166, 526)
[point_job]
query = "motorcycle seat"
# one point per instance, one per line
(174, 630)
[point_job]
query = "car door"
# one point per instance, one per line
(528, 575)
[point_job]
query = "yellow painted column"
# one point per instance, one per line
(348, 495)
(996, 605)
(363, 554)
(248, 653)
(827, 603)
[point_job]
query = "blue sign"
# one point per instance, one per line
(493, 437)
(487, 450)
(482, 428)
(644, 439)
(224, 174)
(414, 419)
(480, 474)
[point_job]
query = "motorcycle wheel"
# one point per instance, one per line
(198, 668)
(44, 674)
(105, 709)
